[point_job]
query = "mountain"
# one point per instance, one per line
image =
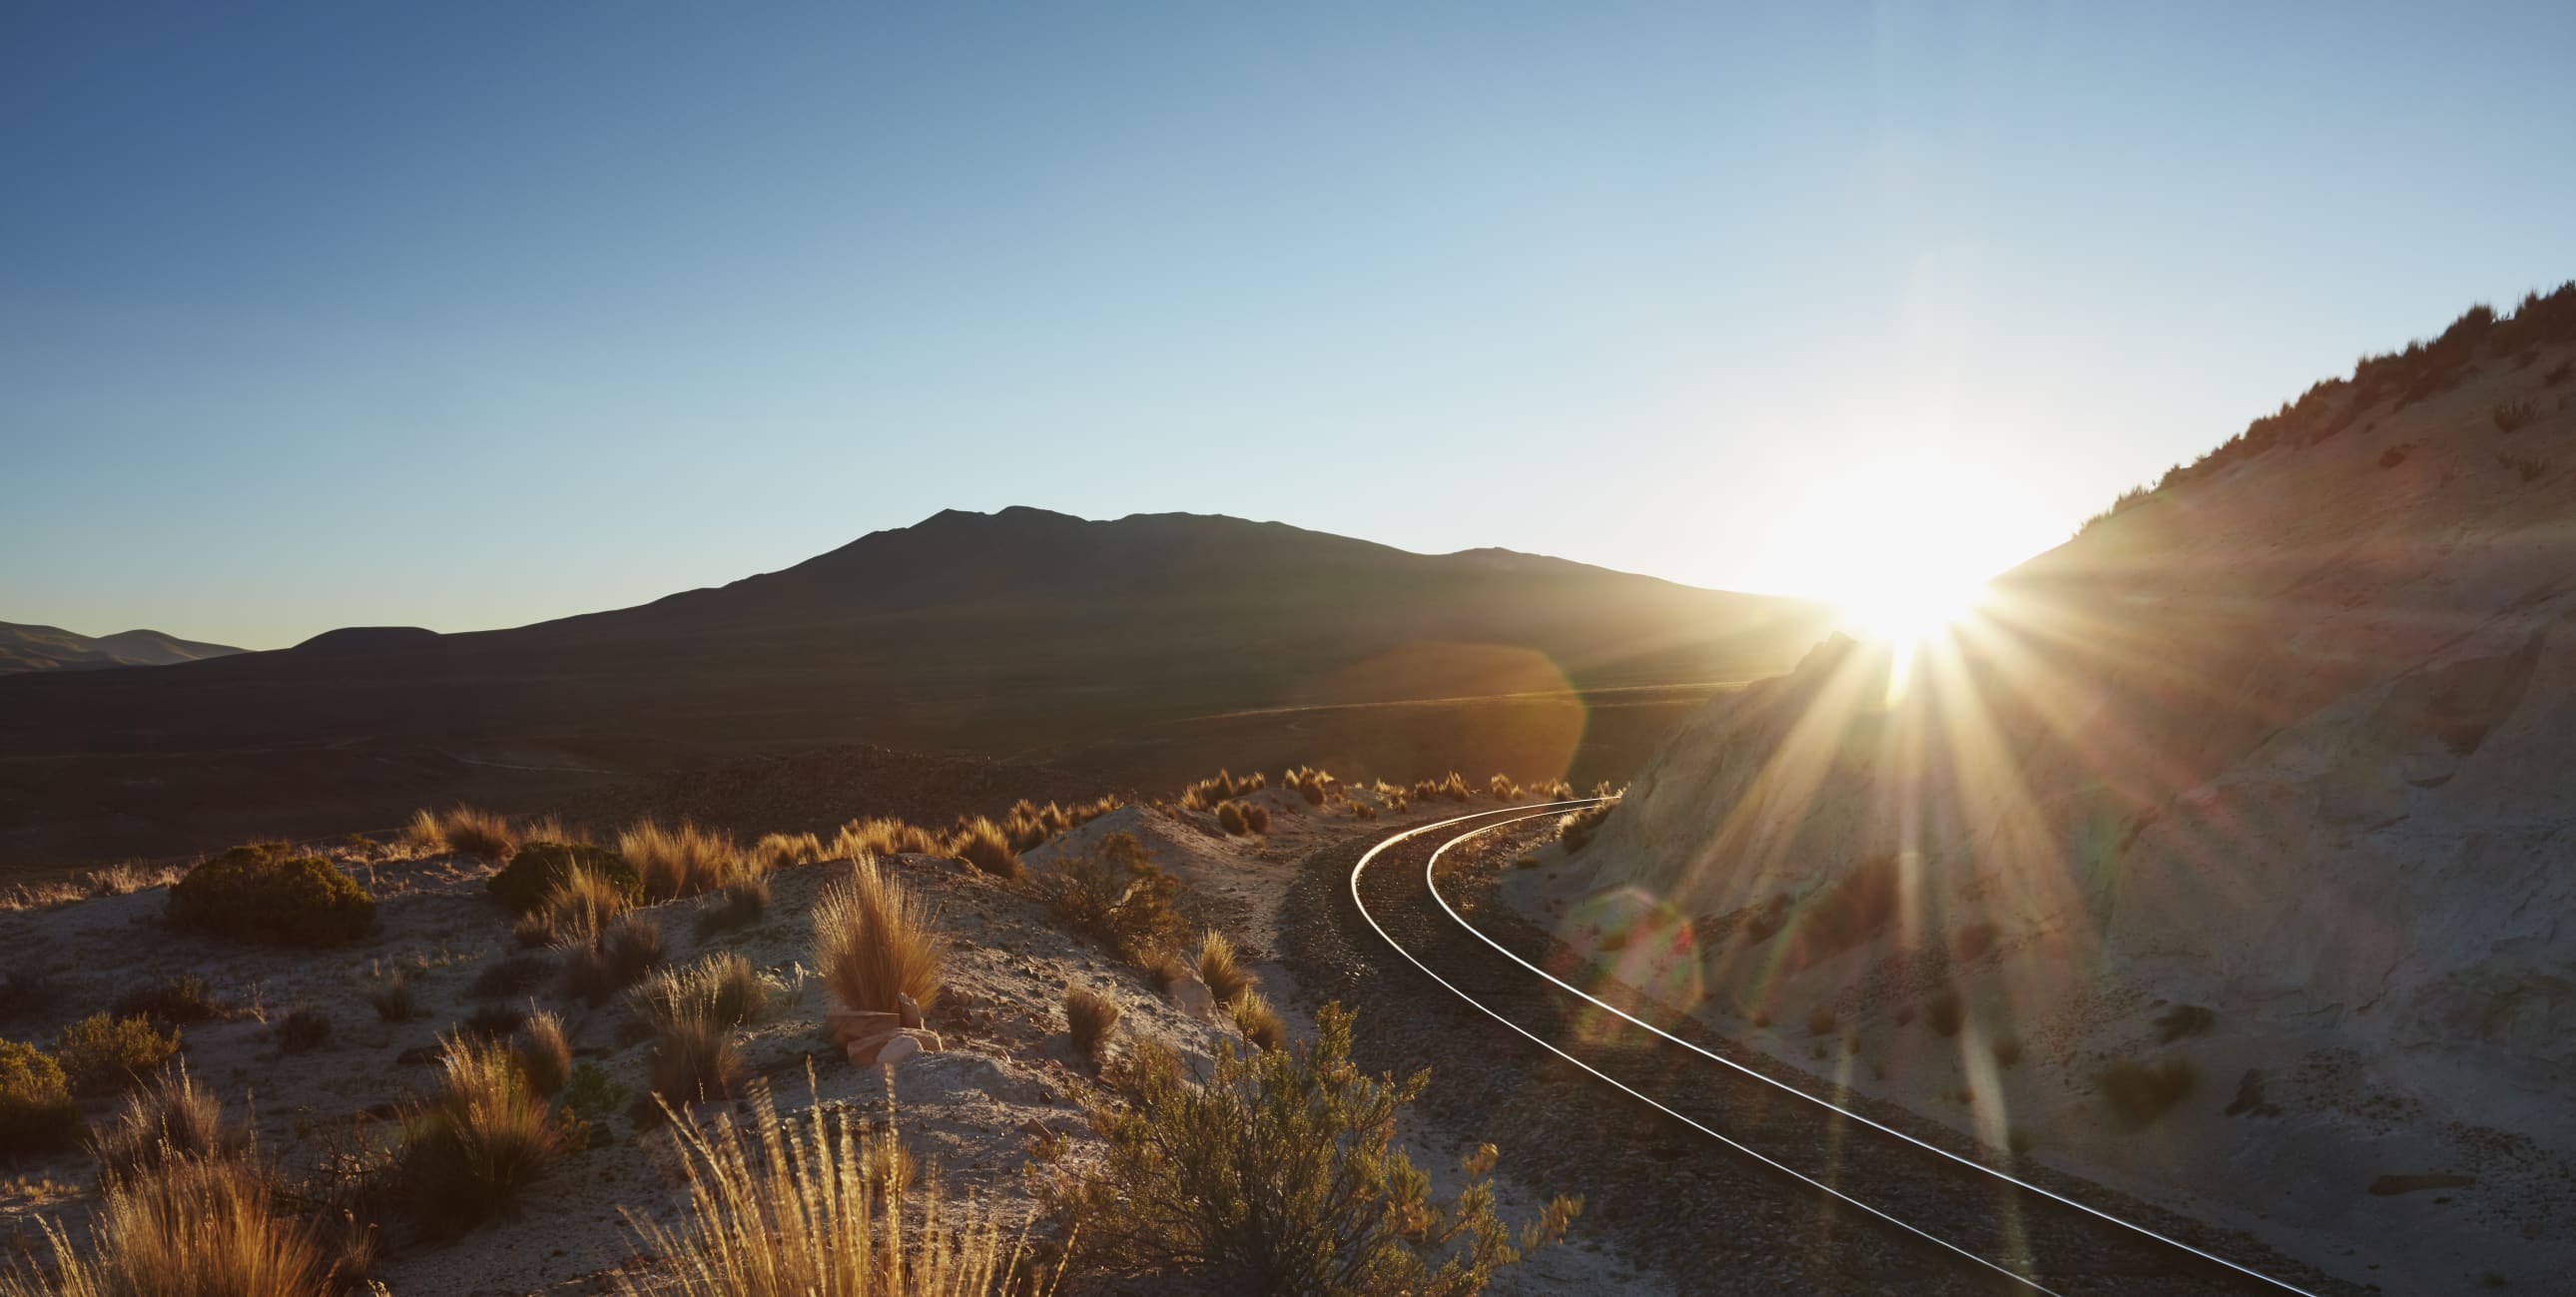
(1144, 647)
(2226, 857)
(51, 648)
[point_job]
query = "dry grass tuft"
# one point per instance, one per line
(813, 1206)
(470, 1151)
(545, 1054)
(738, 904)
(875, 940)
(685, 861)
(626, 949)
(721, 988)
(1162, 968)
(1221, 969)
(1258, 1022)
(463, 830)
(861, 839)
(1229, 817)
(694, 1060)
(1089, 1017)
(786, 851)
(985, 845)
(187, 1228)
(392, 997)
(170, 1119)
(574, 911)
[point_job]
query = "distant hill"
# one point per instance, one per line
(51, 648)
(1017, 634)
(2259, 786)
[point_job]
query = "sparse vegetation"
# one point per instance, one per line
(785, 851)
(875, 940)
(1502, 789)
(814, 1206)
(1229, 817)
(303, 1030)
(694, 1060)
(721, 988)
(545, 1054)
(2513, 416)
(1945, 1013)
(171, 1118)
(1258, 1022)
(2140, 1092)
(1316, 786)
(738, 904)
(1029, 824)
(259, 893)
(2007, 1051)
(103, 1053)
(2527, 468)
(1208, 794)
(542, 866)
(475, 1146)
(189, 1228)
(1278, 1175)
(863, 839)
(624, 951)
(514, 975)
(391, 995)
(183, 999)
(37, 1114)
(1089, 1017)
(983, 844)
(1576, 827)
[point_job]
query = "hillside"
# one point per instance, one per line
(51, 648)
(2224, 857)
(1155, 647)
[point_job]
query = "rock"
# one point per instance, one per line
(1190, 996)
(893, 1047)
(908, 1011)
(1036, 1129)
(849, 1025)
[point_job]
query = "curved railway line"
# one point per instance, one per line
(1929, 1219)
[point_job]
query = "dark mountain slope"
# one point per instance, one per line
(51, 648)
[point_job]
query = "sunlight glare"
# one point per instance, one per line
(1904, 548)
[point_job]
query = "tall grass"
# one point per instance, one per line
(875, 940)
(185, 1228)
(860, 839)
(985, 845)
(1222, 969)
(481, 1141)
(461, 829)
(722, 988)
(1089, 1017)
(170, 1119)
(811, 1206)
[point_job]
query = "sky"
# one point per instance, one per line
(469, 315)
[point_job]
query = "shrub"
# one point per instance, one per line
(302, 1030)
(2513, 416)
(785, 850)
(103, 1053)
(461, 829)
(875, 940)
(2007, 1051)
(1313, 785)
(983, 844)
(2558, 373)
(1256, 819)
(1258, 1022)
(2393, 456)
(694, 1059)
(2139, 1092)
(1502, 789)
(1229, 817)
(592, 1094)
(1208, 794)
(183, 999)
(739, 904)
(1821, 1022)
(260, 894)
(1575, 828)
(721, 988)
(542, 866)
(1279, 1175)
(393, 998)
(625, 950)
(1117, 895)
(685, 861)
(474, 1147)
(1221, 969)
(189, 1229)
(545, 1055)
(2529, 470)
(37, 1114)
(1089, 1017)
(813, 1205)
(514, 976)
(1946, 1013)
(169, 1119)
(861, 839)
(1162, 969)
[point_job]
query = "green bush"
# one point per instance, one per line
(103, 1053)
(36, 1110)
(1278, 1175)
(259, 893)
(1117, 895)
(540, 866)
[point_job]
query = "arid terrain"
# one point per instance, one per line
(2221, 859)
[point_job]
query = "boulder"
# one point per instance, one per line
(1191, 996)
(893, 1047)
(909, 1012)
(849, 1025)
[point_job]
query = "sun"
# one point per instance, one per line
(1904, 548)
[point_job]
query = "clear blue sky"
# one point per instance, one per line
(468, 315)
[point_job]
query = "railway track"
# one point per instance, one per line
(1791, 1188)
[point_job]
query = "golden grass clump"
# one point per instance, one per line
(722, 988)
(738, 904)
(1089, 1017)
(573, 912)
(814, 1206)
(186, 1228)
(1161, 968)
(684, 861)
(985, 845)
(860, 839)
(463, 830)
(785, 851)
(1312, 784)
(1502, 789)
(545, 1053)
(1229, 817)
(481, 1141)
(875, 940)
(1222, 969)
(1258, 1022)
(169, 1119)
(627, 949)
(694, 1059)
